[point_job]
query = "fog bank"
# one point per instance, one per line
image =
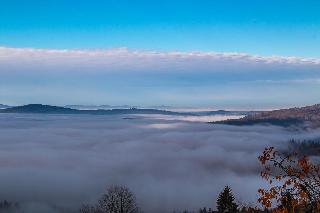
(54, 163)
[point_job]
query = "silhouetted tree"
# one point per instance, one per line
(6, 206)
(225, 201)
(117, 199)
(90, 209)
(205, 210)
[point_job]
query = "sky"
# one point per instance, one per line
(224, 54)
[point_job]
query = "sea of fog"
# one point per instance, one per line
(55, 163)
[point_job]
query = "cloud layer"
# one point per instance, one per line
(51, 163)
(135, 77)
(122, 59)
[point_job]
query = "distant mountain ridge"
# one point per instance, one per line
(2, 106)
(48, 109)
(225, 112)
(95, 107)
(199, 111)
(303, 116)
(39, 108)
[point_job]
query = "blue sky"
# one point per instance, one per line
(281, 27)
(255, 27)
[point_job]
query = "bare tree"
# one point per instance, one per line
(117, 199)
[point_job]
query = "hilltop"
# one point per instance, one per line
(303, 116)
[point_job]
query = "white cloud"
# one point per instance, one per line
(123, 59)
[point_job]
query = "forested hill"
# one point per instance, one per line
(305, 116)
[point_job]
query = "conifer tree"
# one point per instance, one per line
(225, 201)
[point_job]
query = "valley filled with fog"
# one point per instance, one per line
(56, 163)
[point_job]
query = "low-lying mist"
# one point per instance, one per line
(55, 163)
